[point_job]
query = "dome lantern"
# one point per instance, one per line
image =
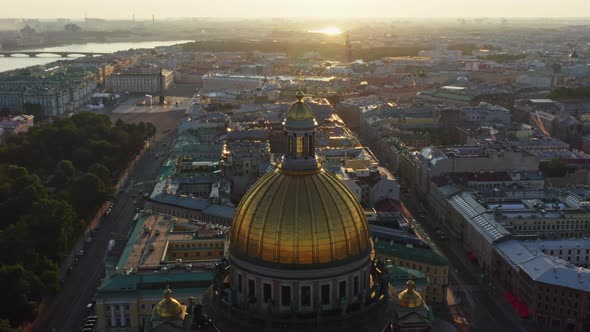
(299, 130)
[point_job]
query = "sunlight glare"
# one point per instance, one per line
(331, 31)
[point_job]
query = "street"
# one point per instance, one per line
(68, 308)
(483, 304)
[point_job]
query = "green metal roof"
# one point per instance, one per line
(416, 254)
(189, 143)
(166, 170)
(153, 283)
(399, 276)
(138, 228)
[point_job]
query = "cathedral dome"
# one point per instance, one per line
(409, 298)
(299, 218)
(168, 307)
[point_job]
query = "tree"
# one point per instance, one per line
(19, 190)
(51, 282)
(64, 173)
(83, 157)
(55, 227)
(102, 172)
(6, 327)
(87, 193)
(23, 289)
(38, 226)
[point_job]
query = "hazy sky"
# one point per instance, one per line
(143, 9)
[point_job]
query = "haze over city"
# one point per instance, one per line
(286, 166)
(114, 9)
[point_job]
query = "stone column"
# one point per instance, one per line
(112, 315)
(122, 311)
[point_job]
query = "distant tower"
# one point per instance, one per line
(162, 96)
(133, 18)
(347, 48)
(573, 57)
(153, 18)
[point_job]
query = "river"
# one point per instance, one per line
(23, 61)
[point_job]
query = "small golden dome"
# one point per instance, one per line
(409, 298)
(299, 218)
(299, 111)
(169, 307)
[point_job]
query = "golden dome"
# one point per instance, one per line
(298, 218)
(409, 298)
(169, 307)
(299, 110)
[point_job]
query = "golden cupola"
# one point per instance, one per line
(299, 214)
(410, 298)
(169, 307)
(299, 111)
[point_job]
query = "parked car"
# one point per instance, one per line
(88, 325)
(89, 319)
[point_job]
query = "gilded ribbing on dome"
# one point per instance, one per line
(299, 111)
(299, 218)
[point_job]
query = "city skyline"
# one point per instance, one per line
(310, 165)
(303, 8)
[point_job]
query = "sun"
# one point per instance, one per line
(331, 31)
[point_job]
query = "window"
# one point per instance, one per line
(286, 295)
(342, 289)
(299, 147)
(251, 288)
(305, 296)
(239, 283)
(310, 146)
(143, 306)
(325, 294)
(355, 286)
(267, 292)
(291, 149)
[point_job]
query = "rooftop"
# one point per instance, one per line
(554, 271)
(153, 235)
(478, 216)
(409, 252)
(540, 245)
(543, 268)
